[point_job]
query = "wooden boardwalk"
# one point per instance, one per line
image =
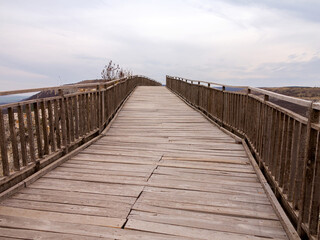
(162, 171)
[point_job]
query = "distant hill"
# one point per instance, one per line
(308, 93)
(11, 99)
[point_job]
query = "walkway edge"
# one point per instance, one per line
(286, 223)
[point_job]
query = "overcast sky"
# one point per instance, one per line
(239, 42)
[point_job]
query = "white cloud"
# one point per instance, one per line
(237, 42)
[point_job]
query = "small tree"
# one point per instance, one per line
(113, 71)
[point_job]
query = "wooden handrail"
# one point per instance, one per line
(285, 144)
(297, 101)
(211, 83)
(36, 132)
(70, 86)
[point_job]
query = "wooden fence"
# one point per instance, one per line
(36, 132)
(286, 145)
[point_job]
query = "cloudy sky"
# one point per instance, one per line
(239, 42)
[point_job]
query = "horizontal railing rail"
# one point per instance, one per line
(36, 132)
(285, 144)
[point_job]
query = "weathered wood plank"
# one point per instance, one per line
(13, 138)
(57, 122)
(22, 136)
(236, 225)
(186, 231)
(81, 229)
(30, 133)
(64, 217)
(3, 147)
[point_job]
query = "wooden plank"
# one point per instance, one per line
(80, 229)
(22, 136)
(219, 209)
(30, 128)
(203, 165)
(310, 161)
(107, 202)
(116, 158)
(3, 147)
(298, 175)
(13, 138)
(68, 119)
(62, 217)
(65, 208)
(236, 225)
(207, 199)
(44, 127)
(63, 122)
(206, 175)
(88, 103)
(90, 197)
(315, 203)
(144, 175)
(288, 157)
(57, 123)
(96, 178)
(206, 179)
(185, 231)
(81, 114)
(51, 127)
(76, 116)
(71, 113)
(37, 127)
(89, 187)
(103, 107)
(294, 154)
(213, 218)
(9, 234)
(110, 166)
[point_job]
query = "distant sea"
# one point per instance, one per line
(11, 99)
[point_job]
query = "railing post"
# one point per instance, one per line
(3, 146)
(14, 141)
(22, 135)
(99, 112)
(223, 105)
(309, 198)
(63, 120)
(209, 100)
(30, 133)
(247, 110)
(198, 99)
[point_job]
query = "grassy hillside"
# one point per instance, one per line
(309, 93)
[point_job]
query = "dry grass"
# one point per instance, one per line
(308, 93)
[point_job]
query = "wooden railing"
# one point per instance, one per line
(286, 145)
(36, 132)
